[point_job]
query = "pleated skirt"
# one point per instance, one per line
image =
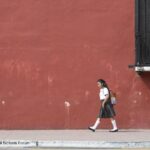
(108, 111)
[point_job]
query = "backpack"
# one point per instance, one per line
(113, 98)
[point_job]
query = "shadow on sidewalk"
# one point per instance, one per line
(120, 130)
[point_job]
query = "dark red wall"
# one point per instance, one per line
(51, 55)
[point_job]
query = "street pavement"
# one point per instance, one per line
(74, 139)
(10, 148)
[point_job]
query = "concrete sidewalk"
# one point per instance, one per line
(132, 138)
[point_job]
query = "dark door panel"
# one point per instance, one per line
(142, 28)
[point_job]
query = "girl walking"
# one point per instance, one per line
(106, 110)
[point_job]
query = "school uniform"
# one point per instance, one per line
(108, 110)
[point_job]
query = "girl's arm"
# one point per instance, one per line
(105, 100)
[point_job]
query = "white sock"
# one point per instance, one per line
(114, 124)
(96, 124)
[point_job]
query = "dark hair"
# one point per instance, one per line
(103, 83)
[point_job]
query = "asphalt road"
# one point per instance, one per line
(65, 149)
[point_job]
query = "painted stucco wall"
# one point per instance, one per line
(51, 54)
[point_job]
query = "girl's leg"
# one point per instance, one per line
(113, 121)
(97, 122)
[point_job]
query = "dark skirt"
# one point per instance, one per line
(107, 111)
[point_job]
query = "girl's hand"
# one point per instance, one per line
(103, 104)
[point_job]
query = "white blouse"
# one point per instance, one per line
(103, 93)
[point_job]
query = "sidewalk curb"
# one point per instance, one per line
(73, 144)
(92, 144)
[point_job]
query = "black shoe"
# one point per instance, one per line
(91, 129)
(116, 130)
